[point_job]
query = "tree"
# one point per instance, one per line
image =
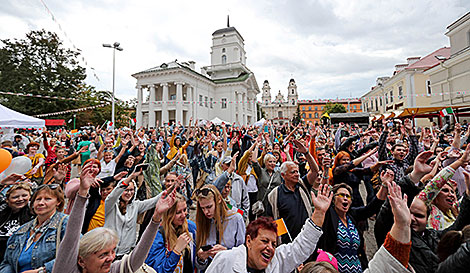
(334, 108)
(40, 65)
(297, 117)
(259, 111)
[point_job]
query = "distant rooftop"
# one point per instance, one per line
(432, 59)
(227, 30)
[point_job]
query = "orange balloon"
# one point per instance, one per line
(5, 159)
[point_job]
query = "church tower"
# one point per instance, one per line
(292, 96)
(266, 97)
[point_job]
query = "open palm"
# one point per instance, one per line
(322, 200)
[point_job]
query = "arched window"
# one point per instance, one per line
(223, 50)
(224, 59)
(316, 115)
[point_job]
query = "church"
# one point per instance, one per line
(175, 91)
(280, 111)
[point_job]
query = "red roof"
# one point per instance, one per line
(430, 60)
(55, 122)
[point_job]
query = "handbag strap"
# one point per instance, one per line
(59, 231)
(269, 186)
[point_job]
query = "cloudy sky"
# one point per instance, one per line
(332, 48)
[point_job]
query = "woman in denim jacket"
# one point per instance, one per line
(32, 248)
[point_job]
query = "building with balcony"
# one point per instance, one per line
(312, 110)
(175, 91)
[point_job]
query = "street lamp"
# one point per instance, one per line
(114, 46)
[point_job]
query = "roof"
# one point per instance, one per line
(349, 115)
(242, 77)
(459, 21)
(324, 101)
(227, 30)
(430, 60)
(169, 66)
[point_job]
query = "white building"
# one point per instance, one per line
(226, 89)
(280, 111)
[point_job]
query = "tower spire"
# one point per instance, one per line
(228, 20)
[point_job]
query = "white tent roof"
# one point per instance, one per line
(259, 123)
(218, 121)
(13, 119)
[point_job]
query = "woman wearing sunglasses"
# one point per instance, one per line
(173, 249)
(217, 228)
(340, 235)
(32, 248)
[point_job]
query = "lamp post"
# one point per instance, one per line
(114, 46)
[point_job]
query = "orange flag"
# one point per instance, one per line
(281, 227)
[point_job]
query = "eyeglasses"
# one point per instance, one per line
(51, 186)
(204, 192)
(343, 195)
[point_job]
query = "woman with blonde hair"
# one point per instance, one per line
(217, 228)
(173, 249)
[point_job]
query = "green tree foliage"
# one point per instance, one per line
(334, 108)
(297, 117)
(39, 65)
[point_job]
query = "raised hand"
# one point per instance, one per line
(399, 204)
(466, 176)
(165, 202)
(86, 179)
(299, 146)
(11, 179)
(420, 164)
(59, 173)
(181, 243)
(387, 176)
(408, 125)
(322, 200)
(120, 176)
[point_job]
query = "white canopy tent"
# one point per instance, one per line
(13, 119)
(218, 121)
(259, 123)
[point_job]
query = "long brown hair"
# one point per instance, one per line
(203, 224)
(171, 232)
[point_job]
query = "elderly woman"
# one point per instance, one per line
(260, 254)
(217, 228)
(95, 251)
(173, 249)
(341, 237)
(121, 211)
(14, 212)
(32, 248)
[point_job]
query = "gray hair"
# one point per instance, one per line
(318, 267)
(96, 240)
(285, 165)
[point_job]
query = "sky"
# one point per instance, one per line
(332, 48)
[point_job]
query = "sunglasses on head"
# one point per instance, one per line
(51, 186)
(204, 192)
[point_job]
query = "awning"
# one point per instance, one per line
(389, 115)
(380, 117)
(55, 122)
(407, 112)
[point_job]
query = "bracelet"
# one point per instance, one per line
(384, 185)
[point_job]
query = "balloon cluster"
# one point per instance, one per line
(8, 165)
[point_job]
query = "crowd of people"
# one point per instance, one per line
(230, 198)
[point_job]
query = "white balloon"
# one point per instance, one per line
(19, 165)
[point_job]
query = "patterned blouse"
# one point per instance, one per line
(348, 242)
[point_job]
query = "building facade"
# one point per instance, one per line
(408, 87)
(312, 110)
(450, 80)
(175, 92)
(280, 110)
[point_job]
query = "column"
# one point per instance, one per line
(152, 107)
(189, 96)
(139, 115)
(165, 118)
(179, 102)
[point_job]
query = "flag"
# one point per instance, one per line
(133, 121)
(238, 210)
(281, 227)
(446, 112)
(109, 125)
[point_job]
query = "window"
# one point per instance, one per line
(279, 114)
(293, 102)
(223, 50)
(322, 107)
(224, 103)
(206, 99)
(386, 98)
(355, 107)
(212, 102)
(292, 91)
(173, 97)
(376, 105)
(380, 101)
(391, 96)
(200, 100)
(316, 108)
(310, 115)
(303, 108)
(428, 85)
(303, 115)
(316, 115)
(400, 92)
(310, 108)
(224, 59)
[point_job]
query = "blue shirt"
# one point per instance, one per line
(24, 261)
